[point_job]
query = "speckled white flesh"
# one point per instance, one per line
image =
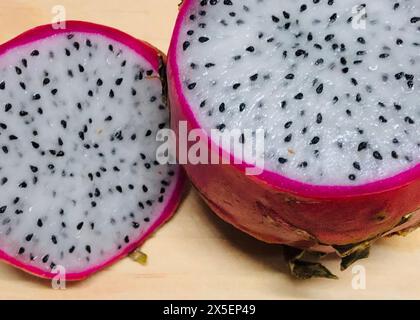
(80, 182)
(348, 119)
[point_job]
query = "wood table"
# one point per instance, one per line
(196, 255)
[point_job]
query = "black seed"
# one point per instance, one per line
(221, 127)
(3, 209)
(54, 239)
(399, 75)
(319, 118)
(288, 138)
(300, 52)
(329, 37)
(333, 18)
(299, 96)
(250, 49)
(119, 81)
(81, 68)
(394, 155)
(185, 45)
(203, 39)
(382, 119)
(303, 164)
(377, 155)
(36, 96)
(282, 160)
(356, 165)
(352, 177)
(315, 140)
(290, 76)
(39, 223)
(99, 82)
(320, 88)
(88, 249)
(222, 107)
(409, 76)
(362, 146)
(79, 226)
(191, 86)
(254, 77)
(242, 138)
(409, 120)
(310, 37)
(361, 40)
(288, 124)
(275, 19)
(135, 225)
(35, 53)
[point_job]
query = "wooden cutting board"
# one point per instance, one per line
(196, 255)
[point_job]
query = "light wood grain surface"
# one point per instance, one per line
(196, 255)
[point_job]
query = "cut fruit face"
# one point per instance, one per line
(333, 83)
(80, 185)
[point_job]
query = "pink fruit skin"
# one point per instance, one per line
(151, 54)
(275, 209)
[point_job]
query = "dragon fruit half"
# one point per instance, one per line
(335, 85)
(80, 186)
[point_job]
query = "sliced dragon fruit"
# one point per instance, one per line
(80, 186)
(335, 86)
